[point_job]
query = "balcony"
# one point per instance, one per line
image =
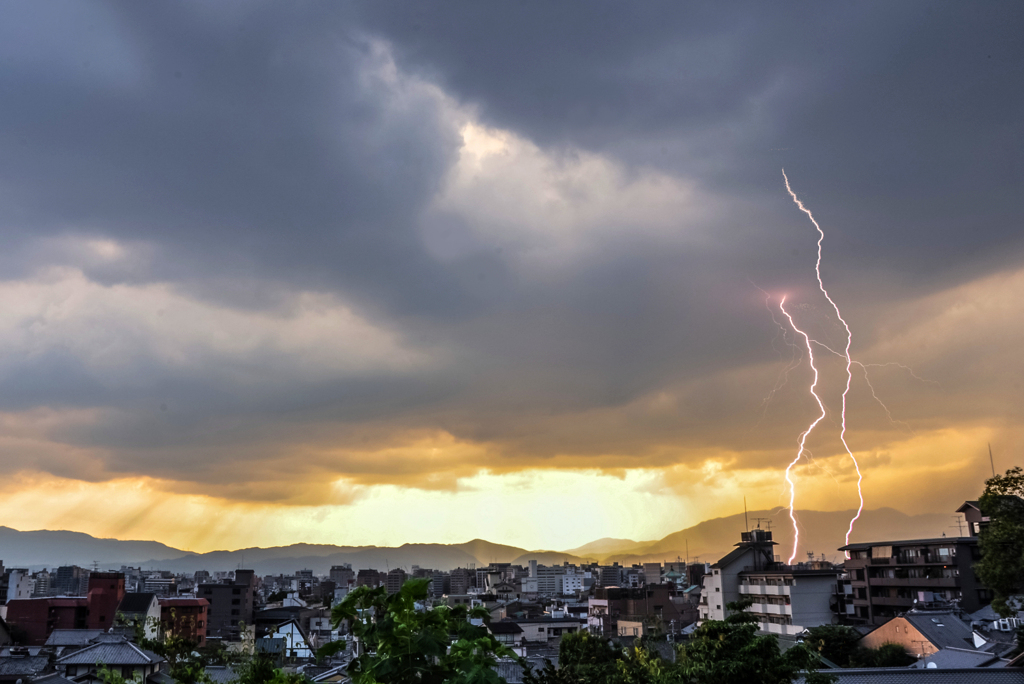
(926, 583)
(789, 630)
(892, 601)
(764, 590)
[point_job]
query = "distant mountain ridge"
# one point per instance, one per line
(822, 532)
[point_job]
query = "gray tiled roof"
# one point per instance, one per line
(510, 671)
(123, 653)
(959, 658)
(945, 630)
(27, 666)
(72, 637)
(900, 675)
(136, 602)
(52, 679)
(220, 674)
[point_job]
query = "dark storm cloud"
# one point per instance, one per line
(246, 153)
(900, 120)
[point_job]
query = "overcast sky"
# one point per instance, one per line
(390, 272)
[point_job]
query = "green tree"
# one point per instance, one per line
(730, 650)
(720, 652)
(400, 644)
(886, 655)
(838, 643)
(1001, 567)
(583, 658)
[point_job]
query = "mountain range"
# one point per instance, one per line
(821, 534)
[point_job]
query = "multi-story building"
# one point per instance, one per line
(652, 573)
(887, 578)
(231, 603)
(185, 617)
(609, 575)
(19, 584)
(786, 598)
(395, 579)
(72, 581)
(461, 579)
(368, 578)
(342, 575)
(106, 589)
(651, 604)
(42, 584)
(439, 584)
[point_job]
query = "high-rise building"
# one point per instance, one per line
(231, 603)
(396, 578)
(72, 581)
(342, 575)
(460, 581)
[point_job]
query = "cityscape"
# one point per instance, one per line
(379, 342)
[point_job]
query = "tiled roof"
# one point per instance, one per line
(136, 602)
(23, 666)
(959, 658)
(220, 674)
(51, 679)
(72, 637)
(945, 630)
(505, 627)
(901, 675)
(510, 671)
(731, 557)
(121, 653)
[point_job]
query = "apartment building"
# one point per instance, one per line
(786, 598)
(887, 578)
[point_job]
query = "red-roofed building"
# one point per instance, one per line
(185, 617)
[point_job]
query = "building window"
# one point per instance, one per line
(234, 611)
(235, 602)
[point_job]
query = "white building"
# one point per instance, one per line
(19, 585)
(786, 598)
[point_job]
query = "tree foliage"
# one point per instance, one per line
(400, 644)
(886, 655)
(730, 650)
(837, 643)
(583, 658)
(1001, 567)
(719, 652)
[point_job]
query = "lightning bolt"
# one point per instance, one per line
(803, 437)
(846, 390)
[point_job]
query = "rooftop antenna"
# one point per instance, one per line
(990, 461)
(767, 521)
(746, 525)
(959, 524)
